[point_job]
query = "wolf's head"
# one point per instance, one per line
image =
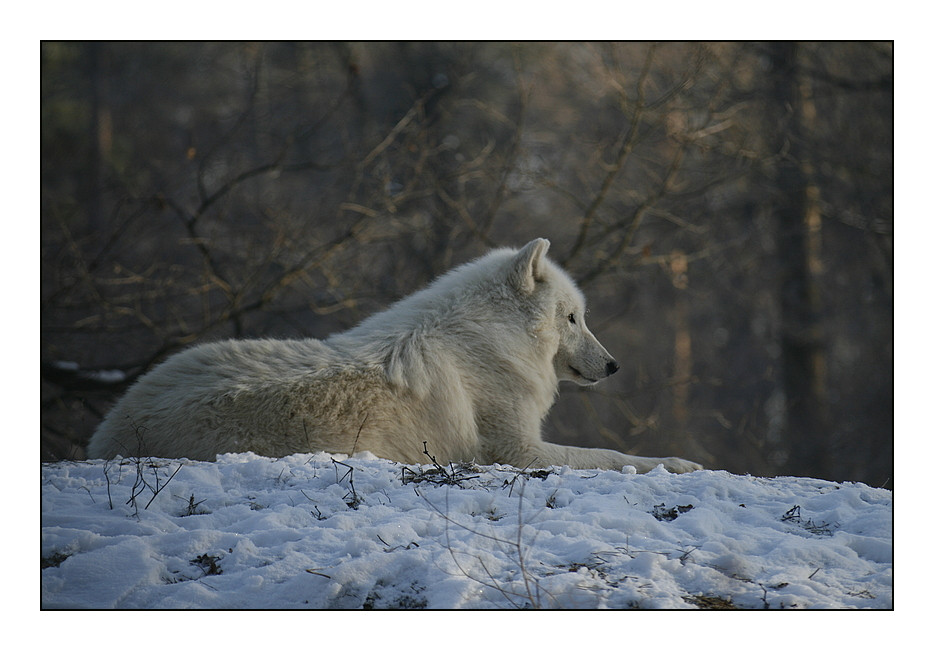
(578, 356)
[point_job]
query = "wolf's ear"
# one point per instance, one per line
(527, 265)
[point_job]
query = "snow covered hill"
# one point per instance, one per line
(324, 531)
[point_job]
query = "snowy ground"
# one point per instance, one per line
(322, 532)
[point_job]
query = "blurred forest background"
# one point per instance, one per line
(726, 207)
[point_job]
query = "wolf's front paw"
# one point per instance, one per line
(674, 464)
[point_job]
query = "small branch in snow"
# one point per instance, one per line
(355, 500)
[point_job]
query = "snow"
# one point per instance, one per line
(320, 531)
(104, 376)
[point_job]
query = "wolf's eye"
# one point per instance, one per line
(571, 318)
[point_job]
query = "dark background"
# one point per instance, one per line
(726, 207)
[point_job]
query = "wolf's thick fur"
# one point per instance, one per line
(470, 365)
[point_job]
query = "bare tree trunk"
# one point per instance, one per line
(798, 221)
(683, 359)
(101, 134)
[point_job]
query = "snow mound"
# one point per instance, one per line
(324, 531)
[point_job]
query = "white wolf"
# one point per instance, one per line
(468, 366)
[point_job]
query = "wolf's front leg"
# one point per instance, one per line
(672, 464)
(548, 454)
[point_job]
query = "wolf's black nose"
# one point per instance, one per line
(611, 367)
